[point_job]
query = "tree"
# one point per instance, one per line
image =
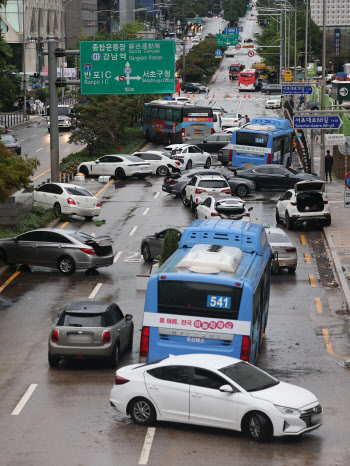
(15, 170)
(10, 87)
(169, 246)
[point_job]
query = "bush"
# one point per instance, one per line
(37, 218)
(169, 246)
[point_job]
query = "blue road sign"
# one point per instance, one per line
(296, 90)
(317, 121)
(347, 180)
(231, 31)
(218, 52)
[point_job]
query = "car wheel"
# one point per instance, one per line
(146, 253)
(120, 174)
(162, 170)
(241, 190)
(115, 356)
(142, 412)
(189, 165)
(259, 427)
(3, 257)
(278, 218)
(84, 170)
(53, 360)
(66, 265)
(291, 270)
(88, 218)
(208, 163)
(193, 205)
(326, 224)
(57, 209)
(185, 201)
(289, 222)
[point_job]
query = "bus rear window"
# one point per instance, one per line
(199, 299)
(234, 68)
(251, 139)
(247, 75)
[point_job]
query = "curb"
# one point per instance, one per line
(338, 267)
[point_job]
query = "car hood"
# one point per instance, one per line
(288, 395)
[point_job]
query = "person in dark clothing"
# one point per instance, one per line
(328, 164)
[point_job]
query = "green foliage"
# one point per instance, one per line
(5, 52)
(15, 171)
(234, 9)
(42, 93)
(10, 87)
(38, 218)
(169, 246)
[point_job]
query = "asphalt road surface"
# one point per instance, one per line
(65, 417)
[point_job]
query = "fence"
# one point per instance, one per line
(12, 119)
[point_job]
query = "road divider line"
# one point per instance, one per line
(147, 445)
(104, 187)
(40, 149)
(329, 346)
(307, 258)
(64, 224)
(33, 135)
(116, 257)
(156, 195)
(312, 280)
(24, 399)
(302, 240)
(145, 147)
(318, 305)
(95, 291)
(132, 231)
(145, 212)
(2, 287)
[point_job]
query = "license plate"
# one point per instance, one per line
(198, 134)
(280, 263)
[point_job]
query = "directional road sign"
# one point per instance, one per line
(290, 89)
(317, 121)
(127, 67)
(226, 39)
(218, 53)
(231, 30)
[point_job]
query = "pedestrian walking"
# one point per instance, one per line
(206, 93)
(7, 129)
(328, 164)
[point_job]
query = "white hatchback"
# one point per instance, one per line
(119, 165)
(215, 391)
(67, 199)
(202, 186)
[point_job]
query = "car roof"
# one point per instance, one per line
(88, 307)
(205, 360)
(64, 185)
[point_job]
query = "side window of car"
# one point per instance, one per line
(118, 159)
(157, 157)
(177, 374)
(288, 195)
(207, 202)
(103, 159)
(46, 188)
(263, 170)
(56, 189)
(193, 181)
(31, 236)
(52, 237)
(207, 379)
(277, 171)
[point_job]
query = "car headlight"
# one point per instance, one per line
(285, 410)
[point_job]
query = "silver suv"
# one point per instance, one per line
(202, 186)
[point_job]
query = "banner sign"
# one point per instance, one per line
(337, 42)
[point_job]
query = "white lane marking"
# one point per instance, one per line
(24, 399)
(145, 212)
(146, 449)
(40, 149)
(33, 135)
(116, 257)
(132, 231)
(156, 195)
(95, 291)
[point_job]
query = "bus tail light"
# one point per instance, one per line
(269, 158)
(144, 345)
(230, 155)
(200, 191)
(245, 350)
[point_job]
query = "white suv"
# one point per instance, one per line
(274, 101)
(307, 202)
(202, 186)
(191, 156)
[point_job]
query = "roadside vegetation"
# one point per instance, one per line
(234, 9)
(169, 246)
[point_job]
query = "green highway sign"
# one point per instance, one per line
(197, 20)
(127, 67)
(227, 39)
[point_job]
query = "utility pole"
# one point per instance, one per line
(323, 90)
(24, 64)
(183, 59)
(281, 47)
(306, 36)
(53, 102)
(295, 42)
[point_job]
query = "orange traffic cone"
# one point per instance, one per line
(188, 96)
(248, 96)
(244, 95)
(213, 96)
(228, 96)
(120, 148)
(193, 95)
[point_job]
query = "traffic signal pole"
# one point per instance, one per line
(53, 104)
(323, 91)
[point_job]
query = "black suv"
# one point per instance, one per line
(194, 87)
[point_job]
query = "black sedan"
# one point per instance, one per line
(151, 245)
(274, 177)
(272, 89)
(194, 87)
(11, 143)
(176, 183)
(212, 143)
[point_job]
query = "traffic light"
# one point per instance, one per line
(268, 21)
(259, 22)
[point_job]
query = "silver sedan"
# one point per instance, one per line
(280, 243)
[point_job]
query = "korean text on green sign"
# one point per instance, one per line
(224, 39)
(127, 67)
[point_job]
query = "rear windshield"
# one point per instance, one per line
(82, 237)
(196, 299)
(234, 68)
(247, 75)
(251, 139)
(82, 320)
(249, 377)
(200, 112)
(78, 192)
(213, 184)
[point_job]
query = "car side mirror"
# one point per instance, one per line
(205, 140)
(128, 317)
(287, 175)
(226, 388)
(97, 161)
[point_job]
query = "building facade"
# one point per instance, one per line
(80, 20)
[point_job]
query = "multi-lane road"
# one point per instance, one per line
(62, 416)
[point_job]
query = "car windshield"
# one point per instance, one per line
(81, 320)
(6, 138)
(276, 97)
(249, 377)
(291, 170)
(78, 192)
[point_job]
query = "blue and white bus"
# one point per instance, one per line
(264, 140)
(211, 295)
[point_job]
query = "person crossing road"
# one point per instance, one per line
(328, 165)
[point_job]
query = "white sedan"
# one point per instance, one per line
(191, 156)
(67, 199)
(224, 207)
(229, 120)
(161, 163)
(215, 391)
(120, 165)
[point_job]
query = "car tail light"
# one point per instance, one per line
(71, 201)
(214, 214)
(220, 151)
(98, 204)
(290, 249)
(293, 203)
(269, 158)
(88, 251)
(199, 191)
(144, 345)
(55, 335)
(173, 182)
(235, 121)
(177, 163)
(120, 380)
(183, 132)
(212, 131)
(245, 350)
(106, 336)
(247, 214)
(227, 191)
(230, 155)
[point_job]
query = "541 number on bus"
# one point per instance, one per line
(221, 302)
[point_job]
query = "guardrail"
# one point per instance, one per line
(13, 118)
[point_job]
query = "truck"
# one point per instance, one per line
(234, 69)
